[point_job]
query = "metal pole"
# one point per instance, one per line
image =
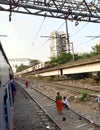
(68, 44)
(73, 51)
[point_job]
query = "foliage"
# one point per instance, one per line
(67, 57)
(98, 74)
(33, 62)
(53, 61)
(85, 55)
(96, 50)
(21, 67)
(77, 57)
(60, 59)
(97, 77)
(83, 96)
(81, 76)
(16, 66)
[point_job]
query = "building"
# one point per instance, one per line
(57, 43)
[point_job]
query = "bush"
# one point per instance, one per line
(83, 96)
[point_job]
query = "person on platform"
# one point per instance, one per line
(65, 102)
(58, 101)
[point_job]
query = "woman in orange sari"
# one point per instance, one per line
(59, 102)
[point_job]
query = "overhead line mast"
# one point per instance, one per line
(78, 10)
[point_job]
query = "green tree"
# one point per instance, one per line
(62, 58)
(16, 66)
(21, 67)
(53, 61)
(96, 49)
(85, 55)
(77, 57)
(33, 62)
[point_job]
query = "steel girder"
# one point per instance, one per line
(78, 10)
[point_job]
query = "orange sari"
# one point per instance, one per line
(59, 103)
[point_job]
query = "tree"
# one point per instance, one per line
(85, 55)
(16, 66)
(21, 67)
(62, 58)
(53, 61)
(33, 62)
(77, 57)
(96, 49)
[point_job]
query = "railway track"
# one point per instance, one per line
(78, 89)
(29, 114)
(73, 88)
(73, 121)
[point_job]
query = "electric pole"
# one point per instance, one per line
(68, 44)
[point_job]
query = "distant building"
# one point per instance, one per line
(57, 43)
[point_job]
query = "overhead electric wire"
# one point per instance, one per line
(38, 32)
(61, 26)
(86, 41)
(36, 35)
(48, 39)
(41, 46)
(79, 30)
(57, 30)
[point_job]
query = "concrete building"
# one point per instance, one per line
(57, 43)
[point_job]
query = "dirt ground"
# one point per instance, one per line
(88, 107)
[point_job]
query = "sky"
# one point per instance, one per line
(24, 35)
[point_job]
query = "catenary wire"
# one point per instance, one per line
(78, 30)
(86, 42)
(47, 39)
(57, 30)
(37, 34)
(41, 46)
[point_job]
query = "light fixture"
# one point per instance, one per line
(76, 23)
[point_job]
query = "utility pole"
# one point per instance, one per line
(68, 42)
(67, 35)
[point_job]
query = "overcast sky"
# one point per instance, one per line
(24, 35)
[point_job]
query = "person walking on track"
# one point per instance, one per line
(27, 84)
(58, 101)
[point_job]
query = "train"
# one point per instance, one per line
(6, 103)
